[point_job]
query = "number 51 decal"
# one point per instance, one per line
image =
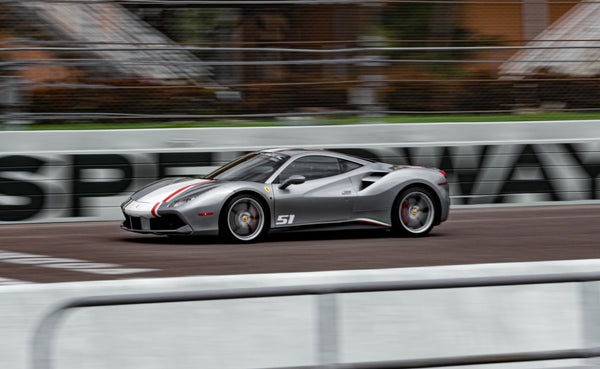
(285, 219)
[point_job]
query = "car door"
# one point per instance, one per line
(327, 195)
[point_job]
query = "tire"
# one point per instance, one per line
(414, 212)
(243, 219)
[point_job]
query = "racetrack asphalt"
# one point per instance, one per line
(62, 252)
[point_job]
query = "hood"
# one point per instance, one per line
(170, 188)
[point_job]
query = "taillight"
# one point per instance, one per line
(443, 183)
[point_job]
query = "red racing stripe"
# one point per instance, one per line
(153, 211)
(183, 189)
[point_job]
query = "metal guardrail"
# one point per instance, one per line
(191, 3)
(42, 342)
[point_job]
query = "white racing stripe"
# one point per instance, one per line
(165, 193)
(76, 265)
(146, 206)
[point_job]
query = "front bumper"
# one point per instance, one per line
(167, 224)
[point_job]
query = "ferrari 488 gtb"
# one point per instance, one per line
(285, 189)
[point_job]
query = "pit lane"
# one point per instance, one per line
(63, 252)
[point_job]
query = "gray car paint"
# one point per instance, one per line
(334, 200)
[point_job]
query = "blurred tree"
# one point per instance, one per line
(188, 25)
(431, 25)
(406, 22)
(204, 26)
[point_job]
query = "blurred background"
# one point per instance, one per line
(100, 61)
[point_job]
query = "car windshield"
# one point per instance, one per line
(256, 167)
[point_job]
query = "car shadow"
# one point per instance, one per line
(276, 237)
(174, 240)
(322, 235)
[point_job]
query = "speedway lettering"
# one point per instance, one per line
(75, 186)
(90, 186)
(491, 174)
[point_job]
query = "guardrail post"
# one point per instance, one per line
(327, 342)
(43, 338)
(590, 317)
(13, 102)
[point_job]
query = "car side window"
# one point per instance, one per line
(312, 167)
(347, 165)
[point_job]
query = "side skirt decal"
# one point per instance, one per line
(372, 221)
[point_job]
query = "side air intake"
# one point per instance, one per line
(371, 178)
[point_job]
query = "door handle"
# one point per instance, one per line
(346, 192)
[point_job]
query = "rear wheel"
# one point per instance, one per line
(413, 212)
(243, 219)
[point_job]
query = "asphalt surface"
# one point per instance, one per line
(61, 252)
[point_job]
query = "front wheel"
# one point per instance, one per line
(243, 220)
(413, 212)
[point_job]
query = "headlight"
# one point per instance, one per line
(188, 198)
(124, 205)
(183, 201)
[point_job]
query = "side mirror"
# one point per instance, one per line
(292, 180)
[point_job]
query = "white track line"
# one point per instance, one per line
(10, 282)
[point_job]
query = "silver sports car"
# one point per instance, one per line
(290, 188)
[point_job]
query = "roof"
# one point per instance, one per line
(570, 46)
(295, 152)
(111, 27)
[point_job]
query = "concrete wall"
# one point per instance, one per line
(85, 175)
(276, 332)
(70, 176)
